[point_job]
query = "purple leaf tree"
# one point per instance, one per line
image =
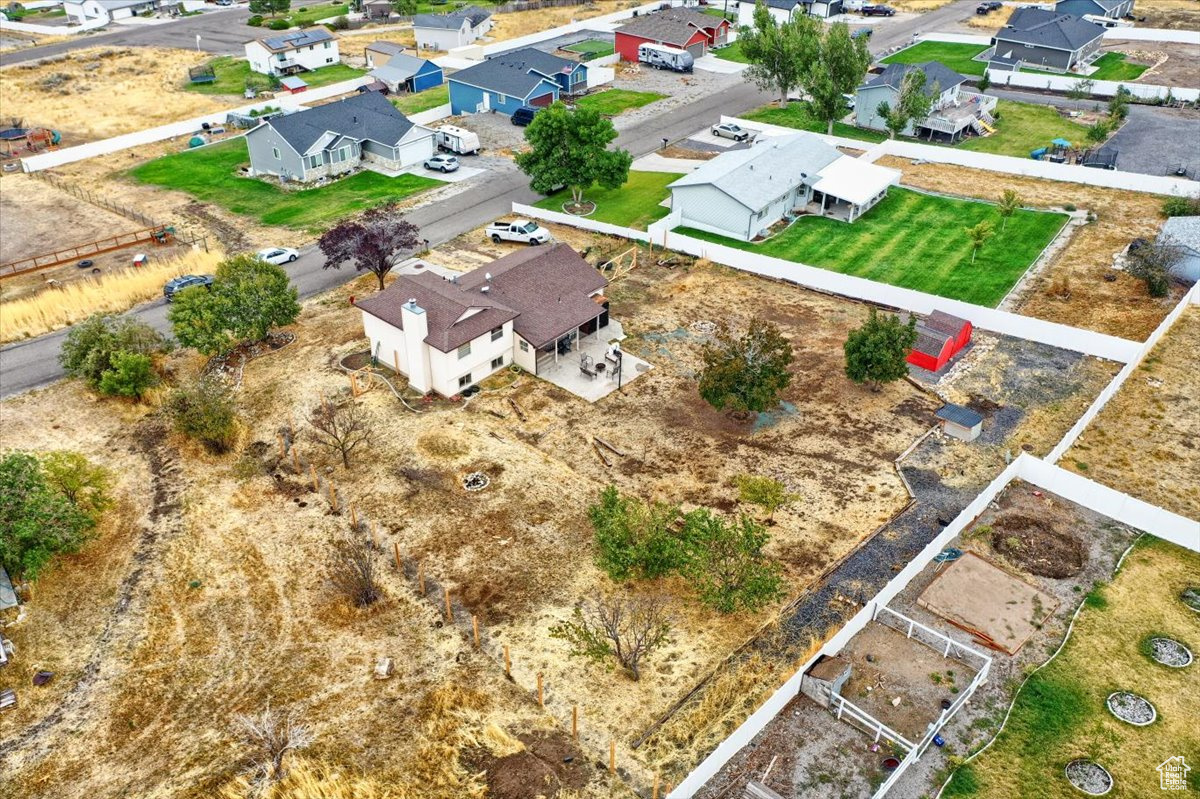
(372, 243)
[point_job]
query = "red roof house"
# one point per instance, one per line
(676, 27)
(939, 337)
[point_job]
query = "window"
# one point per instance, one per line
(464, 350)
(329, 60)
(328, 45)
(524, 346)
(497, 362)
(497, 333)
(314, 161)
(275, 152)
(464, 381)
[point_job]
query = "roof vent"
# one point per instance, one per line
(484, 289)
(487, 276)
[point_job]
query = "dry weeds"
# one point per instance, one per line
(102, 92)
(1178, 14)
(993, 21)
(1144, 441)
(114, 292)
(1121, 307)
(522, 23)
(919, 6)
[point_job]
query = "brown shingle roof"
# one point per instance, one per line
(673, 27)
(943, 322)
(545, 290)
(930, 342)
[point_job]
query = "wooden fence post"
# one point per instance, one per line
(312, 472)
(475, 629)
(507, 663)
(574, 722)
(612, 757)
(449, 612)
(282, 448)
(295, 460)
(353, 518)
(655, 794)
(396, 549)
(333, 496)
(353, 386)
(541, 697)
(421, 578)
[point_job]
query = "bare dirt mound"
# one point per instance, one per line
(1035, 546)
(549, 763)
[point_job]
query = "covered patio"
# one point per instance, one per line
(589, 362)
(849, 187)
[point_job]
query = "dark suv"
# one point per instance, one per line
(878, 11)
(524, 115)
(178, 284)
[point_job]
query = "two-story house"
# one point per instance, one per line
(328, 140)
(445, 335)
(787, 10)
(1048, 40)
(447, 31)
(289, 53)
(953, 112)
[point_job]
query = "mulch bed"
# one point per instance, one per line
(237, 357)
(580, 209)
(1035, 546)
(1089, 777)
(1131, 708)
(1170, 652)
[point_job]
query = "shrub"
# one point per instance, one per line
(766, 492)
(627, 629)
(37, 522)
(636, 539)
(205, 411)
(1069, 207)
(279, 25)
(131, 375)
(1181, 206)
(727, 565)
(340, 23)
(255, 21)
(91, 345)
(1153, 264)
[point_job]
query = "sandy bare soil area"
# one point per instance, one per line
(1172, 63)
(40, 218)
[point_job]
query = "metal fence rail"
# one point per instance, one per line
(96, 199)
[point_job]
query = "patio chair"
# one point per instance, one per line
(585, 366)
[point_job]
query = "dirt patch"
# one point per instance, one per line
(549, 764)
(1171, 63)
(1083, 269)
(40, 218)
(1035, 546)
(677, 151)
(1174, 14)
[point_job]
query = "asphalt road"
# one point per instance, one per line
(34, 363)
(222, 31)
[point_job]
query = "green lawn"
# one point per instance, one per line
(731, 52)
(916, 241)
(1024, 127)
(592, 48)
(797, 115)
(422, 101)
(209, 174)
(617, 101)
(955, 56)
(232, 74)
(720, 13)
(1116, 66)
(302, 16)
(635, 205)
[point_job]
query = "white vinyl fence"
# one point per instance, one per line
(1099, 88)
(1153, 35)
(431, 115)
(68, 155)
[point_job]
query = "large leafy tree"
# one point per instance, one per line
(838, 69)
(92, 346)
(746, 372)
(36, 521)
(85, 485)
(779, 54)
(728, 567)
(570, 148)
(373, 242)
(877, 352)
(248, 298)
(914, 101)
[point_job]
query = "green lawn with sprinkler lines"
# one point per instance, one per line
(916, 241)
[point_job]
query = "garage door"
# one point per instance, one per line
(416, 151)
(697, 50)
(543, 101)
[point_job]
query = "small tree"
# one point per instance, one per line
(1152, 264)
(837, 70)
(268, 738)
(1118, 106)
(36, 521)
(1098, 131)
(131, 375)
(91, 346)
(728, 568)
(978, 235)
(84, 484)
(766, 492)
(984, 83)
(779, 54)
(634, 538)
(570, 148)
(372, 243)
(1081, 89)
(247, 299)
(341, 429)
(914, 101)
(877, 352)
(1010, 203)
(354, 569)
(747, 372)
(205, 410)
(626, 628)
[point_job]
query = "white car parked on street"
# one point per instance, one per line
(278, 255)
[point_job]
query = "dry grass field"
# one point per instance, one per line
(102, 92)
(1080, 272)
(1144, 441)
(993, 21)
(523, 23)
(1060, 715)
(919, 6)
(1183, 14)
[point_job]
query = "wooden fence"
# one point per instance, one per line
(95, 199)
(159, 234)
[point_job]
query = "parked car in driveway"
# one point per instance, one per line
(442, 163)
(878, 11)
(728, 130)
(178, 284)
(524, 115)
(278, 255)
(521, 230)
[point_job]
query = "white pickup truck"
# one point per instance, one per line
(518, 230)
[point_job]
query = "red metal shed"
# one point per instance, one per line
(939, 337)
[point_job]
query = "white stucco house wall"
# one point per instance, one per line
(448, 31)
(109, 10)
(291, 52)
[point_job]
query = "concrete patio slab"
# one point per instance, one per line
(567, 374)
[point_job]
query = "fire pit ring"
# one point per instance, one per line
(476, 481)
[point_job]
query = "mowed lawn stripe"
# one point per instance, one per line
(918, 241)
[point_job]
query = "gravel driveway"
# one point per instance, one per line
(680, 90)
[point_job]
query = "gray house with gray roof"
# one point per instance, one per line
(1048, 40)
(954, 110)
(447, 31)
(364, 131)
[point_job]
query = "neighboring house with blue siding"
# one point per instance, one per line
(406, 73)
(327, 140)
(507, 82)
